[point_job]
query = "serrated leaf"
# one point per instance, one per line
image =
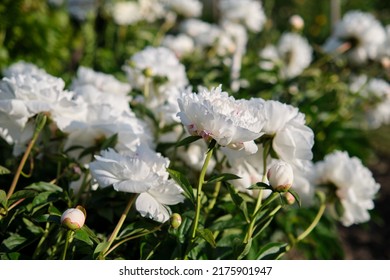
(272, 251)
(238, 201)
(4, 170)
(223, 177)
(188, 140)
(44, 187)
(83, 236)
(207, 235)
(183, 183)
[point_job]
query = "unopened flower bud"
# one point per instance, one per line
(73, 218)
(280, 176)
(297, 22)
(175, 220)
(289, 198)
(148, 72)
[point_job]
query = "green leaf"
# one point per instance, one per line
(296, 196)
(260, 185)
(188, 140)
(223, 177)
(99, 248)
(238, 201)
(110, 142)
(10, 256)
(183, 183)
(3, 198)
(83, 236)
(4, 170)
(207, 235)
(14, 242)
(21, 195)
(44, 187)
(36, 230)
(243, 249)
(90, 233)
(272, 251)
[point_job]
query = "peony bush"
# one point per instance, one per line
(162, 129)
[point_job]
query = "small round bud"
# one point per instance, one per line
(289, 198)
(297, 22)
(73, 218)
(148, 72)
(175, 220)
(280, 176)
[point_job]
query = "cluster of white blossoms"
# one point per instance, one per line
(358, 34)
(289, 57)
(355, 185)
(377, 92)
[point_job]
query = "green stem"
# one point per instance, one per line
(249, 233)
(68, 237)
(199, 192)
(214, 196)
(313, 224)
(40, 122)
(317, 218)
(131, 238)
(43, 238)
(118, 226)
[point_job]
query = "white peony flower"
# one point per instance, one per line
(126, 13)
(188, 8)
(216, 115)
(103, 116)
(290, 57)
(143, 172)
(181, 44)
(377, 92)
(292, 139)
(25, 94)
(203, 33)
(362, 33)
(355, 185)
(158, 63)
(250, 13)
(103, 82)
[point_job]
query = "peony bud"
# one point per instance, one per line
(175, 220)
(73, 218)
(297, 22)
(289, 198)
(280, 176)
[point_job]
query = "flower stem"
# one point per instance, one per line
(199, 192)
(314, 223)
(258, 205)
(118, 226)
(40, 122)
(131, 238)
(68, 237)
